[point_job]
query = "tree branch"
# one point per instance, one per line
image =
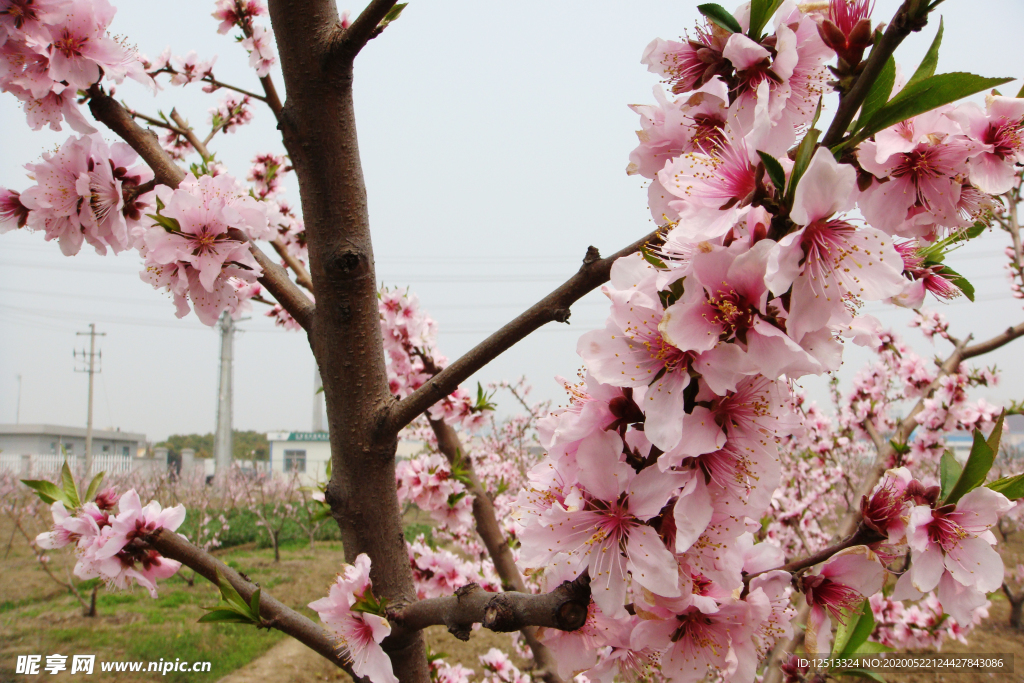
(279, 615)
(302, 276)
(490, 532)
(351, 40)
(109, 112)
(564, 608)
(911, 16)
(190, 135)
(594, 272)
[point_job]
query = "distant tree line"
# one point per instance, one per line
(247, 445)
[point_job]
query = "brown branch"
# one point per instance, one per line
(276, 280)
(153, 121)
(278, 615)
(302, 276)
(564, 608)
(242, 91)
(863, 536)
(994, 343)
(347, 43)
(108, 111)
(910, 17)
(190, 135)
(490, 532)
(594, 272)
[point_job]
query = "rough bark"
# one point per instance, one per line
(317, 123)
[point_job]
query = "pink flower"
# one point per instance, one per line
(951, 548)
(610, 522)
(189, 68)
(840, 584)
(261, 50)
(80, 46)
(359, 633)
(13, 214)
(233, 13)
(1000, 132)
(828, 262)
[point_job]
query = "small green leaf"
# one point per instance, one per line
(70, 488)
(395, 12)
(958, 280)
(761, 12)
(860, 631)
(853, 629)
(254, 603)
(224, 616)
(673, 293)
(1021, 93)
(923, 96)
(997, 433)
(166, 222)
(949, 472)
(94, 487)
(803, 158)
(1011, 487)
(47, 491)
(880, 90)
(976, 469)
(870, 647)
(652, 259)
(931, 60)
(860, 673)
(720, 16)
(774, 170)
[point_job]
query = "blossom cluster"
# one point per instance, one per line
(197, 244)
(921, 626)
(111, 546)
(51, 49)
(437, 572)
(86, 191)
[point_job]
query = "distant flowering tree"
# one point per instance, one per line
(662, 528)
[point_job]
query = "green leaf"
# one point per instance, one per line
(1011, 487)
(847, 624)
(858, 627)
(860, 673)
(880, 90)
(803, 158)
(166, 222)
(923, 96)
(761, 12)
(395, 12)
(254, 603)
(46, 490)
(774, 170)
(70, 488)
(976, 469)
(949, 472)
(931, 60)
(94, 486)
(230, 595)
(1021, 93)
(652, 259)
(997, 433)
(720, 16)
(958, 280)
(870, 647)
(224, 616)
(673, 293)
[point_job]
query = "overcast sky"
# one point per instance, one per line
(495, 138)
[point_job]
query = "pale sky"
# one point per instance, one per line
(495, 138)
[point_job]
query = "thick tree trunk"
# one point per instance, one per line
(318, 127)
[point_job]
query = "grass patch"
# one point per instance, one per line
(225, 646)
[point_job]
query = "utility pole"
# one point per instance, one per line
(222, 443)
(318, 400)
(17, 413)
(92, 369)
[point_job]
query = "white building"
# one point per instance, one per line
(307, 454)
(39, 449)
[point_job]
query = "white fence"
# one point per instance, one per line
(48, 464)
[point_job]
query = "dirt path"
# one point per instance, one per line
(287, 662)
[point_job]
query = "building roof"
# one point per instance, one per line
(56, 430)
(298, 436)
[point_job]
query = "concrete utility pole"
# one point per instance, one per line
(91, 368)
(318, 400)
(222, 441)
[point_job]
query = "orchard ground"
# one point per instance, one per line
(39, 617)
